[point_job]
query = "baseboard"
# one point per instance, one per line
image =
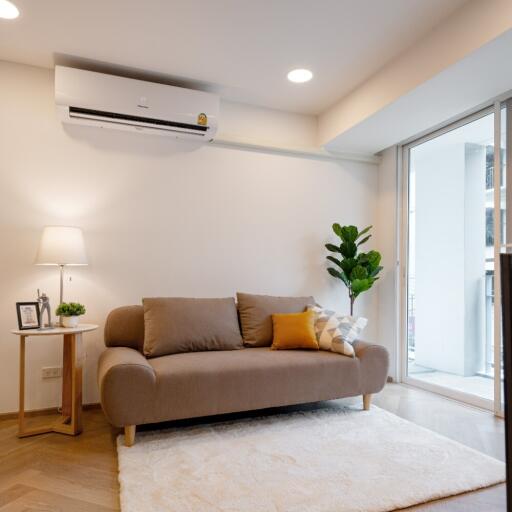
(43, 412)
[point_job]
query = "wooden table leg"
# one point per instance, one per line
(21, 415)
(66, 377)
(71, 385)
(22, 430)
(76, 381)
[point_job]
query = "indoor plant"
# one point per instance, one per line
(358, 270)
(70, 313)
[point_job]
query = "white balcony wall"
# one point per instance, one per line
(449, 255)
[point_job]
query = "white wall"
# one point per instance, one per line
(474, 258)
(438, 256)
(158, 220)
(266, 126)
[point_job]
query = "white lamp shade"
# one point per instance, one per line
(61, 245)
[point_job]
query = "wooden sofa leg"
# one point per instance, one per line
(366, 402)
(129, 435)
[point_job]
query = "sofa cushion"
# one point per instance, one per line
(200, 383)
(256, 315)
(335, 331)
(174, 324)
(135, 390)
(294, 330)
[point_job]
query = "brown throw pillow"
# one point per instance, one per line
(173, 325)
(256, 315)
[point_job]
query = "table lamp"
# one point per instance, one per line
(61, 245)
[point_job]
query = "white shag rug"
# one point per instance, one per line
(328, 460)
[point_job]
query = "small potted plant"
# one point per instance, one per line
(70, 313)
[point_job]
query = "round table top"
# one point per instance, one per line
(52, 331)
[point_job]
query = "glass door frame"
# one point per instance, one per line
(403, 216)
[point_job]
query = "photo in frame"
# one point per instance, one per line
(29, 316)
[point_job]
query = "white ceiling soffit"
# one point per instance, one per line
(475, 80)
(241, 49)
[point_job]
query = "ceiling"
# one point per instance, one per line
(241, 49)
(437, 101)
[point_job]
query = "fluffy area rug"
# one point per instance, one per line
(327, 460)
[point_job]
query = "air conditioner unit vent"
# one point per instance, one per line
(113, 117)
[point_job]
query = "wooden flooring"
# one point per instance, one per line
(54, 472)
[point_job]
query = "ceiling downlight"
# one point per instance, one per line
(300, 76)
(8, 10)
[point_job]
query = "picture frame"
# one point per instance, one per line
(29, 316)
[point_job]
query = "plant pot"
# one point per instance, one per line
(70, 321)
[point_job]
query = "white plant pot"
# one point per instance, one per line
(70, 321)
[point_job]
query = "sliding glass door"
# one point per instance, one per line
(455, 222)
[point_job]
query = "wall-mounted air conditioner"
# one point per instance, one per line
(107, 101)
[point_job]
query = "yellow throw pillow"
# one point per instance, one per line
(294, 330)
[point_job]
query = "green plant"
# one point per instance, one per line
(358, 270)
(70, 309)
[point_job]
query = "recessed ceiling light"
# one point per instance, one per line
(8, 10)
(300, 76)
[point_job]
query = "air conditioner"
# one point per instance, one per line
(107, 101)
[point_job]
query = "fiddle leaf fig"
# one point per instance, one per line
(357, 270)
(347, 264)
(375, 271)
(364, 240)
(337, 230)
(360, 285)
(332, 248)
(374, 258)
(347, 233)
(348, 249)
(364, 231)
(334, 272)
(335, 261)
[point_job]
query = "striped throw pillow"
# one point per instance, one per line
(336, 332)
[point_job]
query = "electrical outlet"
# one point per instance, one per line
(51, 372)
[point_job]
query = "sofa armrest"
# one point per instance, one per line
(127, 385)
(374, 362)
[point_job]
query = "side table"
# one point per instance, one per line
(70, 421)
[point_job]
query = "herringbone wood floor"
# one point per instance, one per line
(54, 472)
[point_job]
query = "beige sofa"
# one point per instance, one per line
(137, 390)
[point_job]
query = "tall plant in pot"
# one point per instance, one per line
(357, 270)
